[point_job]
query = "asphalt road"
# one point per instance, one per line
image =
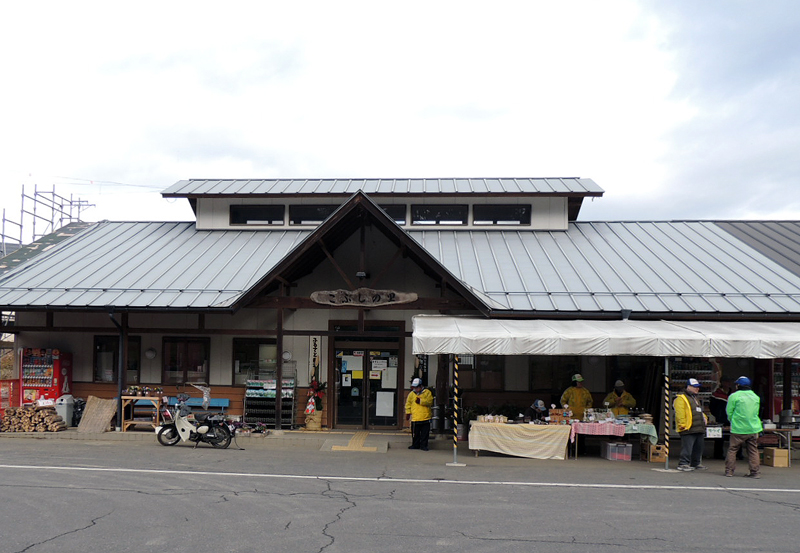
(72, 496)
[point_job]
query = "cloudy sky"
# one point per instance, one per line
(679, 110)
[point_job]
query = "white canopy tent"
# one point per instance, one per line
(439, 334)
(435, 334)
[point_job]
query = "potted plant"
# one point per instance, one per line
(316, 391)
(241, 428)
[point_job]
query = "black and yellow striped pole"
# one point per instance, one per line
(666, 413)
(456, 415)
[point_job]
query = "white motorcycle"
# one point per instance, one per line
(209, 429)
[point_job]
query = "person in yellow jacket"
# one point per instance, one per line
(619, 400)
(418, 409)
(577, 397)
(690, 421)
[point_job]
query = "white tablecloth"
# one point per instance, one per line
(535, 441)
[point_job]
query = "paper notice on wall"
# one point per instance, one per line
(380, 364)
(358, 374)
(384, 404)
(351, 363)
(389, 377)
(346, 380)
(375, 375)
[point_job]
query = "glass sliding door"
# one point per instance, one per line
(367, 384)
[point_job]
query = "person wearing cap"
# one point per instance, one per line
(742, 410)
(418, 410)
(619, 400)
(691, 423)
(537, 411)
(577, 397)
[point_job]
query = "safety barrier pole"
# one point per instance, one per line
(456, 416)
(666, 412)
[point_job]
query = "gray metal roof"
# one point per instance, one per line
(693, 268)
(346, 187)
(778, 240)
(147, 265)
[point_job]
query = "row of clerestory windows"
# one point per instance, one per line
(423, 215)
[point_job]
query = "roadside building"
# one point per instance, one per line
(340, 279)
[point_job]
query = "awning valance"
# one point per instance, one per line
(434, 334)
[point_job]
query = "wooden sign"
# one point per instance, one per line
(362, 297)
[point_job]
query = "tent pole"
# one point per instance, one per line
(666, 412)
(456, 415)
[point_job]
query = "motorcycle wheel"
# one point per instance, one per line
(168, 435)
(222, 436)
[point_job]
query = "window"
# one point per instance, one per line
(257, 214)
(185, 360)
(252, 357)
(439, 214)
(481, 372)
(106, 358)
(396, 212)
(309, 214)
(501, 215)
(550, 375)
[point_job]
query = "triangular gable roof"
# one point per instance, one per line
(337, 228)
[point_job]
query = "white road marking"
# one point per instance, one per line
(402, 480)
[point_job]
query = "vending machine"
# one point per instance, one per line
(44, 374)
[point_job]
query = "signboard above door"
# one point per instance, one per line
(362, 297)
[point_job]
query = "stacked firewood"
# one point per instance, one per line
(32, 419)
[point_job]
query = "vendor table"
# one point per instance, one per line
(535, 441)
(611, 429)
(140, 401)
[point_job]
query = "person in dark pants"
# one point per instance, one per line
(418, 410)
(691, 423)
(743, 407)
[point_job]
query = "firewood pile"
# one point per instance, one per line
(32, 419)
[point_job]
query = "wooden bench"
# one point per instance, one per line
(215, 406)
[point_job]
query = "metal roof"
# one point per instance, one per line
(668, 267)
(778, 240)
(452, 186)
(147, 265)
(690, 268)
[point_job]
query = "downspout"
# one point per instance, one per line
(120, 369)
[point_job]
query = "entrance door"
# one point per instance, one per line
(367, 384)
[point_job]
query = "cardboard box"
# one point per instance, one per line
(775, 457)
(654, 453)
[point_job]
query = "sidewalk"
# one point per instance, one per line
(346, 450)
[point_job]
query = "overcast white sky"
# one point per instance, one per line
(679, 110)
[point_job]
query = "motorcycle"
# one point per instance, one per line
(210, 429)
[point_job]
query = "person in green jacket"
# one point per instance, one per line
(742, 410)
(418, 409)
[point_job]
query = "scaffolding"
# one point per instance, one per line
(46, 211)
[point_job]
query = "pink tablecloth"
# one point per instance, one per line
(596, 429)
